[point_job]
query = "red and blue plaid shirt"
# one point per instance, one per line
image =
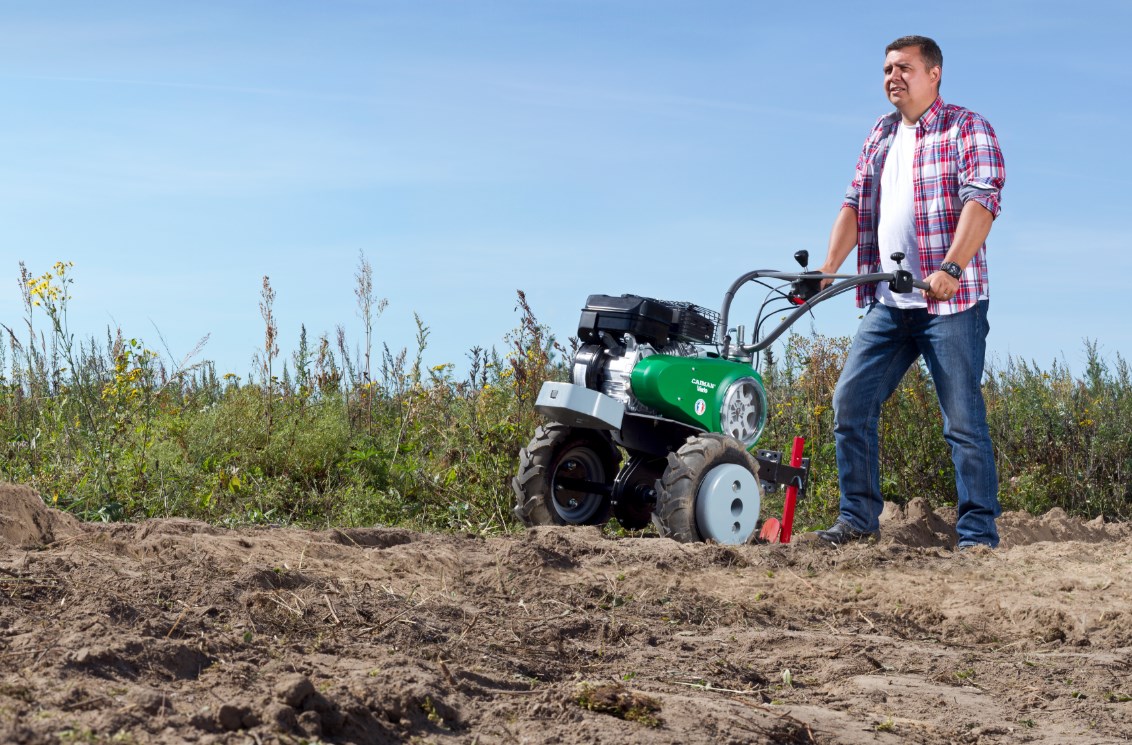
(957, 159)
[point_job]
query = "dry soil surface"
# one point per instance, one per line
(177, 631)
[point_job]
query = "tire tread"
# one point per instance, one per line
(532, 506)
(675, 514)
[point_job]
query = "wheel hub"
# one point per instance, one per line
(744, 411)
(581, 464)
(728, 504)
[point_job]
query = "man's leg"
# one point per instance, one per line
(882, 351)
(954, 348)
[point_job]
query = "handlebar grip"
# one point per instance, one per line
(921, 285)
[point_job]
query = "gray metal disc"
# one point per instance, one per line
(728, 504)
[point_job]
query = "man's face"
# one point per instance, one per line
(908, 83)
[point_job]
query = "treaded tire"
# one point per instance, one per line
(678, 486)
(558, 449)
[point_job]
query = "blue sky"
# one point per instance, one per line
(178, 152)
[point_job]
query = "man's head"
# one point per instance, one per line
(913, 67)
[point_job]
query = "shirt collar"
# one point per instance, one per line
(928, 118)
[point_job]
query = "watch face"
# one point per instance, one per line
(952, 268)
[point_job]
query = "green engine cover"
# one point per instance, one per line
(717, 395)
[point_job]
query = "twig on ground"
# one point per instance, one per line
(280, 603)
(337, 621)
(706, 686)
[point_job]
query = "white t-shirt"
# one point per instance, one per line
(896, 230)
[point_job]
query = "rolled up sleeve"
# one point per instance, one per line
(982, 170)
(853, 191)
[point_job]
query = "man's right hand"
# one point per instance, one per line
(943, 286)
(824, 269)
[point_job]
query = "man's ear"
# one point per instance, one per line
(935, 74)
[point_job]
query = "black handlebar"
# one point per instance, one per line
(806, 297)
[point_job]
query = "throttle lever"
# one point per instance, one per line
(803, 289)
(902, 280)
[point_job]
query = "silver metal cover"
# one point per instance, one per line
(728, 504)
(579, 407)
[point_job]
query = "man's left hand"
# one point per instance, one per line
(943, 286)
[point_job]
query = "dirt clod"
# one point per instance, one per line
(615, 699)
(149, 701)
(281, 717)
(294, 689)
(231, 717)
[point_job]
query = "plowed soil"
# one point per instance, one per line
(173, 631)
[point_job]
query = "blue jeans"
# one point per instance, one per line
(887, 343)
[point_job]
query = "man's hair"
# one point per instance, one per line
(929, 50)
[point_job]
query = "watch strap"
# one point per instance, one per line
(952, 269)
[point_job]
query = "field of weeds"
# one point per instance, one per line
(342, 433)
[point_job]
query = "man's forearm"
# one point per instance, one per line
(970, 233)
(842, 239)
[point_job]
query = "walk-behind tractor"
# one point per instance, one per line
(663, 413)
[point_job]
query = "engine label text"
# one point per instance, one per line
(702, 385)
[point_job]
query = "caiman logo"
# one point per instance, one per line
(702, 385)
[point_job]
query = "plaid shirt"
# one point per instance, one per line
(957, 159)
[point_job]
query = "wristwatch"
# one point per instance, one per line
(951, 268)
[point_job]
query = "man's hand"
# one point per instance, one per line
(943, 286)
(824, 269)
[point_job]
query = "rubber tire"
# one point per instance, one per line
(676, 489)
(533, 496)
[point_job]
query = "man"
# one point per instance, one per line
(928, 185)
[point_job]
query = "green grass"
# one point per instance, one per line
(329, 436)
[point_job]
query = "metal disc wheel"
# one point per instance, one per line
(709, 491)
(744, 410)
(565, 477)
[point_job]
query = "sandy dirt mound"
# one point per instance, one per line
(176, 631)
(917, 525)
(26, 521)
